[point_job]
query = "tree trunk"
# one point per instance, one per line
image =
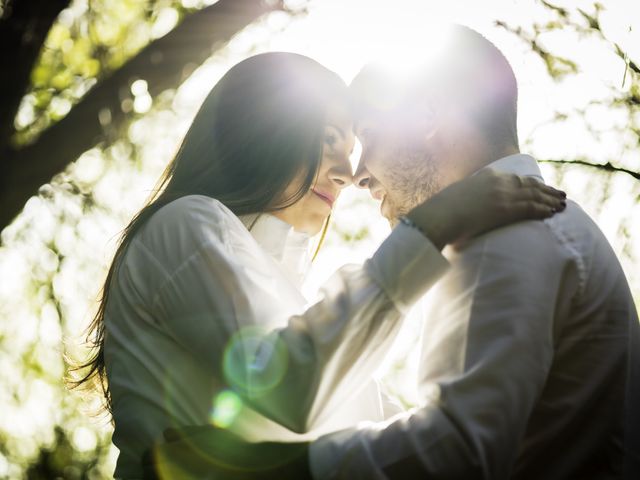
(23, 30)
(162, 64)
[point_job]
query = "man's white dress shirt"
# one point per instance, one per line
(530, 365)
(190, 293)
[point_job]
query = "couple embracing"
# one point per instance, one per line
(530, 351)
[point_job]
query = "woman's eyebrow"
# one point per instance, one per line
(339, 130)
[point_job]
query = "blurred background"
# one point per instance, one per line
(96, 95)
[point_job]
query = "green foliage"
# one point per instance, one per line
(354, 237)
(63, 460)
(600, 163)
(90, 39)
(558, 67)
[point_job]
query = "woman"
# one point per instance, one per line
(203, 293)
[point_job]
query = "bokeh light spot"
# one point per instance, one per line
(225, 408)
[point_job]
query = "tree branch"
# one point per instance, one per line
(162, 64)
(607, 167)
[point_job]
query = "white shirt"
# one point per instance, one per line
(191, 291)
(530, 366)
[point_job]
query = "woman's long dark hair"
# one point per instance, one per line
(260, 128)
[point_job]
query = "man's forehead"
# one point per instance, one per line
(379, 121)
(371, 119)
(374, 91)
(381, 99)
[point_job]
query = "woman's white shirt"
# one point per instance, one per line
(198, 302)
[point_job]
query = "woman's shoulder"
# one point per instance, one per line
(194, 207)
(189, 222)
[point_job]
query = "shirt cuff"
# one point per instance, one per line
(406, 265)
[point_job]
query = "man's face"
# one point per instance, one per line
(399, 163)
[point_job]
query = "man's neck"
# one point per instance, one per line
(472, 160)
(487, 155)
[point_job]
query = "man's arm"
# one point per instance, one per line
(488, 349)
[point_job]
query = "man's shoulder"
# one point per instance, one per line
(528, 238)
(570, 237)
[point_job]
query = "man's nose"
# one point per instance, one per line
(362, 176)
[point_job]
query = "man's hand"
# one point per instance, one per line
(208, 452)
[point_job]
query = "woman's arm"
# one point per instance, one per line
(296, 374)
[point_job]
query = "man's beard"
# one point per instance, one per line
(414, 179)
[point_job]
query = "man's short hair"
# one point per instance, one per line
(469, 71)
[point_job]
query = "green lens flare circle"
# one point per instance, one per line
(255, 361)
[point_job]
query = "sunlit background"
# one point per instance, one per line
(579, 102)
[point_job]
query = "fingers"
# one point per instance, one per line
(532, 190)
(541, 202)
(534, 184)
(552, 191)
(527, 210)
(543, 199)
(534, 200)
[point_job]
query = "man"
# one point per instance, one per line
(530, 356)
(530, 363)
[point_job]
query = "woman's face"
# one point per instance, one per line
(309, 213)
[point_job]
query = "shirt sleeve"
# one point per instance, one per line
(295, 375)
(488, 347)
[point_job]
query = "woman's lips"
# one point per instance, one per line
(328, 199)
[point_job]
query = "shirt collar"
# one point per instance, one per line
(278, 238)
(519, 164)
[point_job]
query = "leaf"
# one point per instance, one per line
(561, 11)
(559, 67)
(592, 20)
(41, 75)
(62, 80)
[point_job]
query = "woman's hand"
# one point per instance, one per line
(483, 202)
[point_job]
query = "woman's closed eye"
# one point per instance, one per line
(337, 145)
(330, 139)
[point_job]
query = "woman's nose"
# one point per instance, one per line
(340, 175)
